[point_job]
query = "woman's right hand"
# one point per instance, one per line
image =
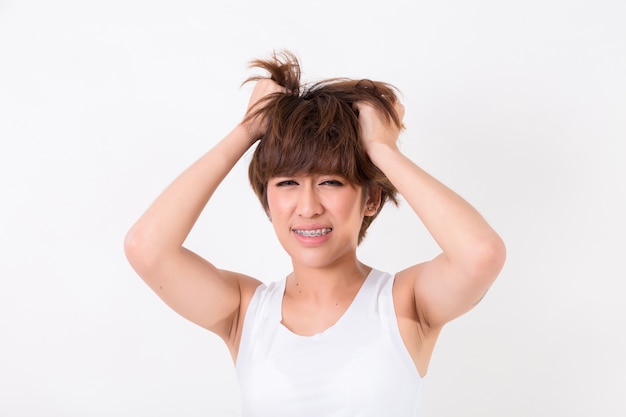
(257, 126)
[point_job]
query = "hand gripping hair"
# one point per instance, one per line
(314, 129)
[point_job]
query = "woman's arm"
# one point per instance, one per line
(472, 252)
(189, 284)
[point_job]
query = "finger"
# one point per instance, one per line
(364, 109)
(399, 107)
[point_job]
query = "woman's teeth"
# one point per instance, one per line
(312, 233)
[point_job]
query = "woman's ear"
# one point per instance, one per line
(372, 202)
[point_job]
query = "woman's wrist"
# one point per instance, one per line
(379, 152)
(249, 131)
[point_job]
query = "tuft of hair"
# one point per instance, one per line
(314, 129)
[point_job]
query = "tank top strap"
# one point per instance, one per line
(262, 319)
(374, 297)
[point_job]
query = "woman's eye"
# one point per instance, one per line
(336, 183)
(286, 183)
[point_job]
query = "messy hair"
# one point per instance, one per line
(314, 129)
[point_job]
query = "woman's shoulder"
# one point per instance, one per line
(254, 288)
(404, 294)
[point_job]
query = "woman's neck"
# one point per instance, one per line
(328, 284)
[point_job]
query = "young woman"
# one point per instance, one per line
(335, 337)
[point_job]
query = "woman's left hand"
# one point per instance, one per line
(377, 129)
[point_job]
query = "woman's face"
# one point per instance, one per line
(317, 218)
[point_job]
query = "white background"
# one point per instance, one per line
(518, 106)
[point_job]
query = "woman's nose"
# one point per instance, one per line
(309, 204)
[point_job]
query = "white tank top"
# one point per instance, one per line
(359, 367)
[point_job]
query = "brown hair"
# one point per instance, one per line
(314, 129)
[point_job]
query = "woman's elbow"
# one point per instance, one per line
(488, 259)
(138, 251)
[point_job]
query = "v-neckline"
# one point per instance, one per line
(337, 323)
